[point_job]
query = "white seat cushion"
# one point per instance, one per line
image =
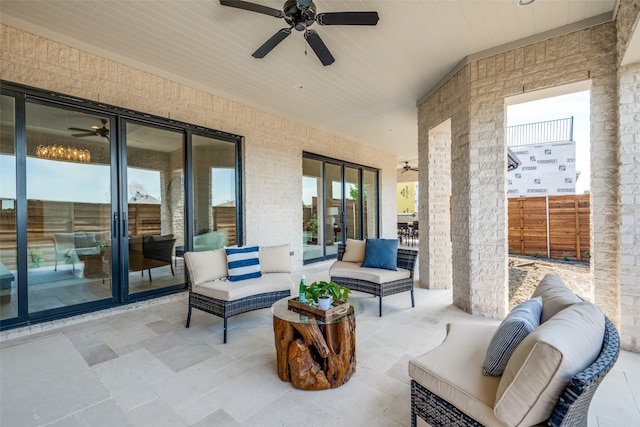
(353, 270)
(453, 371)
(230, 291)
(544, 362)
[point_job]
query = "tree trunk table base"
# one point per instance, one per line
(316, 356)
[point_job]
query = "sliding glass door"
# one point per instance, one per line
(98, 205)
(154, 206)
(334, 196)
(68, 196)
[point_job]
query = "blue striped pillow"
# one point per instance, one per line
(523, 319)
(243, 263)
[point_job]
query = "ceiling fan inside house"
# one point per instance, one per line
(300, 15)
(407, 168)
(94, 131)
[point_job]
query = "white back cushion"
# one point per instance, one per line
(274, 259)
(354, 251)
(556, 296)
(206, 265)
(544, 362)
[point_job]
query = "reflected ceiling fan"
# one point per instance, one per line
(407, 168)
(94, 131)
(300, 15)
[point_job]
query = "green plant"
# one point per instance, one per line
(37, 258)
(312, 224)
(587, 255)
(317, 289)
(536, 254)
(566, 257)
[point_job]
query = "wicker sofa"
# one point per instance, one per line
(347, 271)
(549, 379)
(210, 289)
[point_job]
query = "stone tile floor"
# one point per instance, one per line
(139, 366)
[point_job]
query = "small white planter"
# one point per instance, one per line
(324, 303)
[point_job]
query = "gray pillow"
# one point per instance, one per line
(523, 319)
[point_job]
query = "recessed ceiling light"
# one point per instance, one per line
(298, 86)
(525, 2)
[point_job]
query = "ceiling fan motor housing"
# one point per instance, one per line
(299, 16)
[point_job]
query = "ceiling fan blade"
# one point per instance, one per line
(348, 18)
(252, 7)
(319, 47)
(82, 130)
(272, 42)
(81, 135)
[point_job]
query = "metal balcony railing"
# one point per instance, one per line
(539, 133)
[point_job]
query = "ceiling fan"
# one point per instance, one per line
(301, 14)
(94, 131)
(407, 168)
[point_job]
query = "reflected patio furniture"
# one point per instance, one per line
(147, 252)
(404, 233)
(210, 240)
(6, 277)
(71, 247)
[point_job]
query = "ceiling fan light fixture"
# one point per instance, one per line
(525, 2)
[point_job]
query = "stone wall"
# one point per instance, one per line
(629, 137)
(474, 99)
(272, 146)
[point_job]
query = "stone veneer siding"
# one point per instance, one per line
(272, 147)
(436, 167)
(474, 99)
(627, 20)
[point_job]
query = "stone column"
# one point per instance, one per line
(629, 137)
(435, 210)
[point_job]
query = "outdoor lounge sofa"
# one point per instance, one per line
(520, 373)
(68, 247)
(218, 287)
(349, 271)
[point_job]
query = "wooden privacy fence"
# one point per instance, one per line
(553, 226)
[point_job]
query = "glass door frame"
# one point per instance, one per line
(118, 116)
(361, 203)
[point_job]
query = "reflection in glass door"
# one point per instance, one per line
(352, 205)
(8, 236)
(333, 196)
(155, 206)
(370, 196)
(214, 193)
(333, 204)
(311, 188)
(68, 207)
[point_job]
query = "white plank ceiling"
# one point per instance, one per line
(368, 95)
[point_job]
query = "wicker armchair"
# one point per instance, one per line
(571, 409)
(406, 260)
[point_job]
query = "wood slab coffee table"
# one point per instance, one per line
(312, 354)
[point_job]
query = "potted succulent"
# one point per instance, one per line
(323, 293)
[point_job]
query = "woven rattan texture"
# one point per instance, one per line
(570, 411)
(406, 259)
